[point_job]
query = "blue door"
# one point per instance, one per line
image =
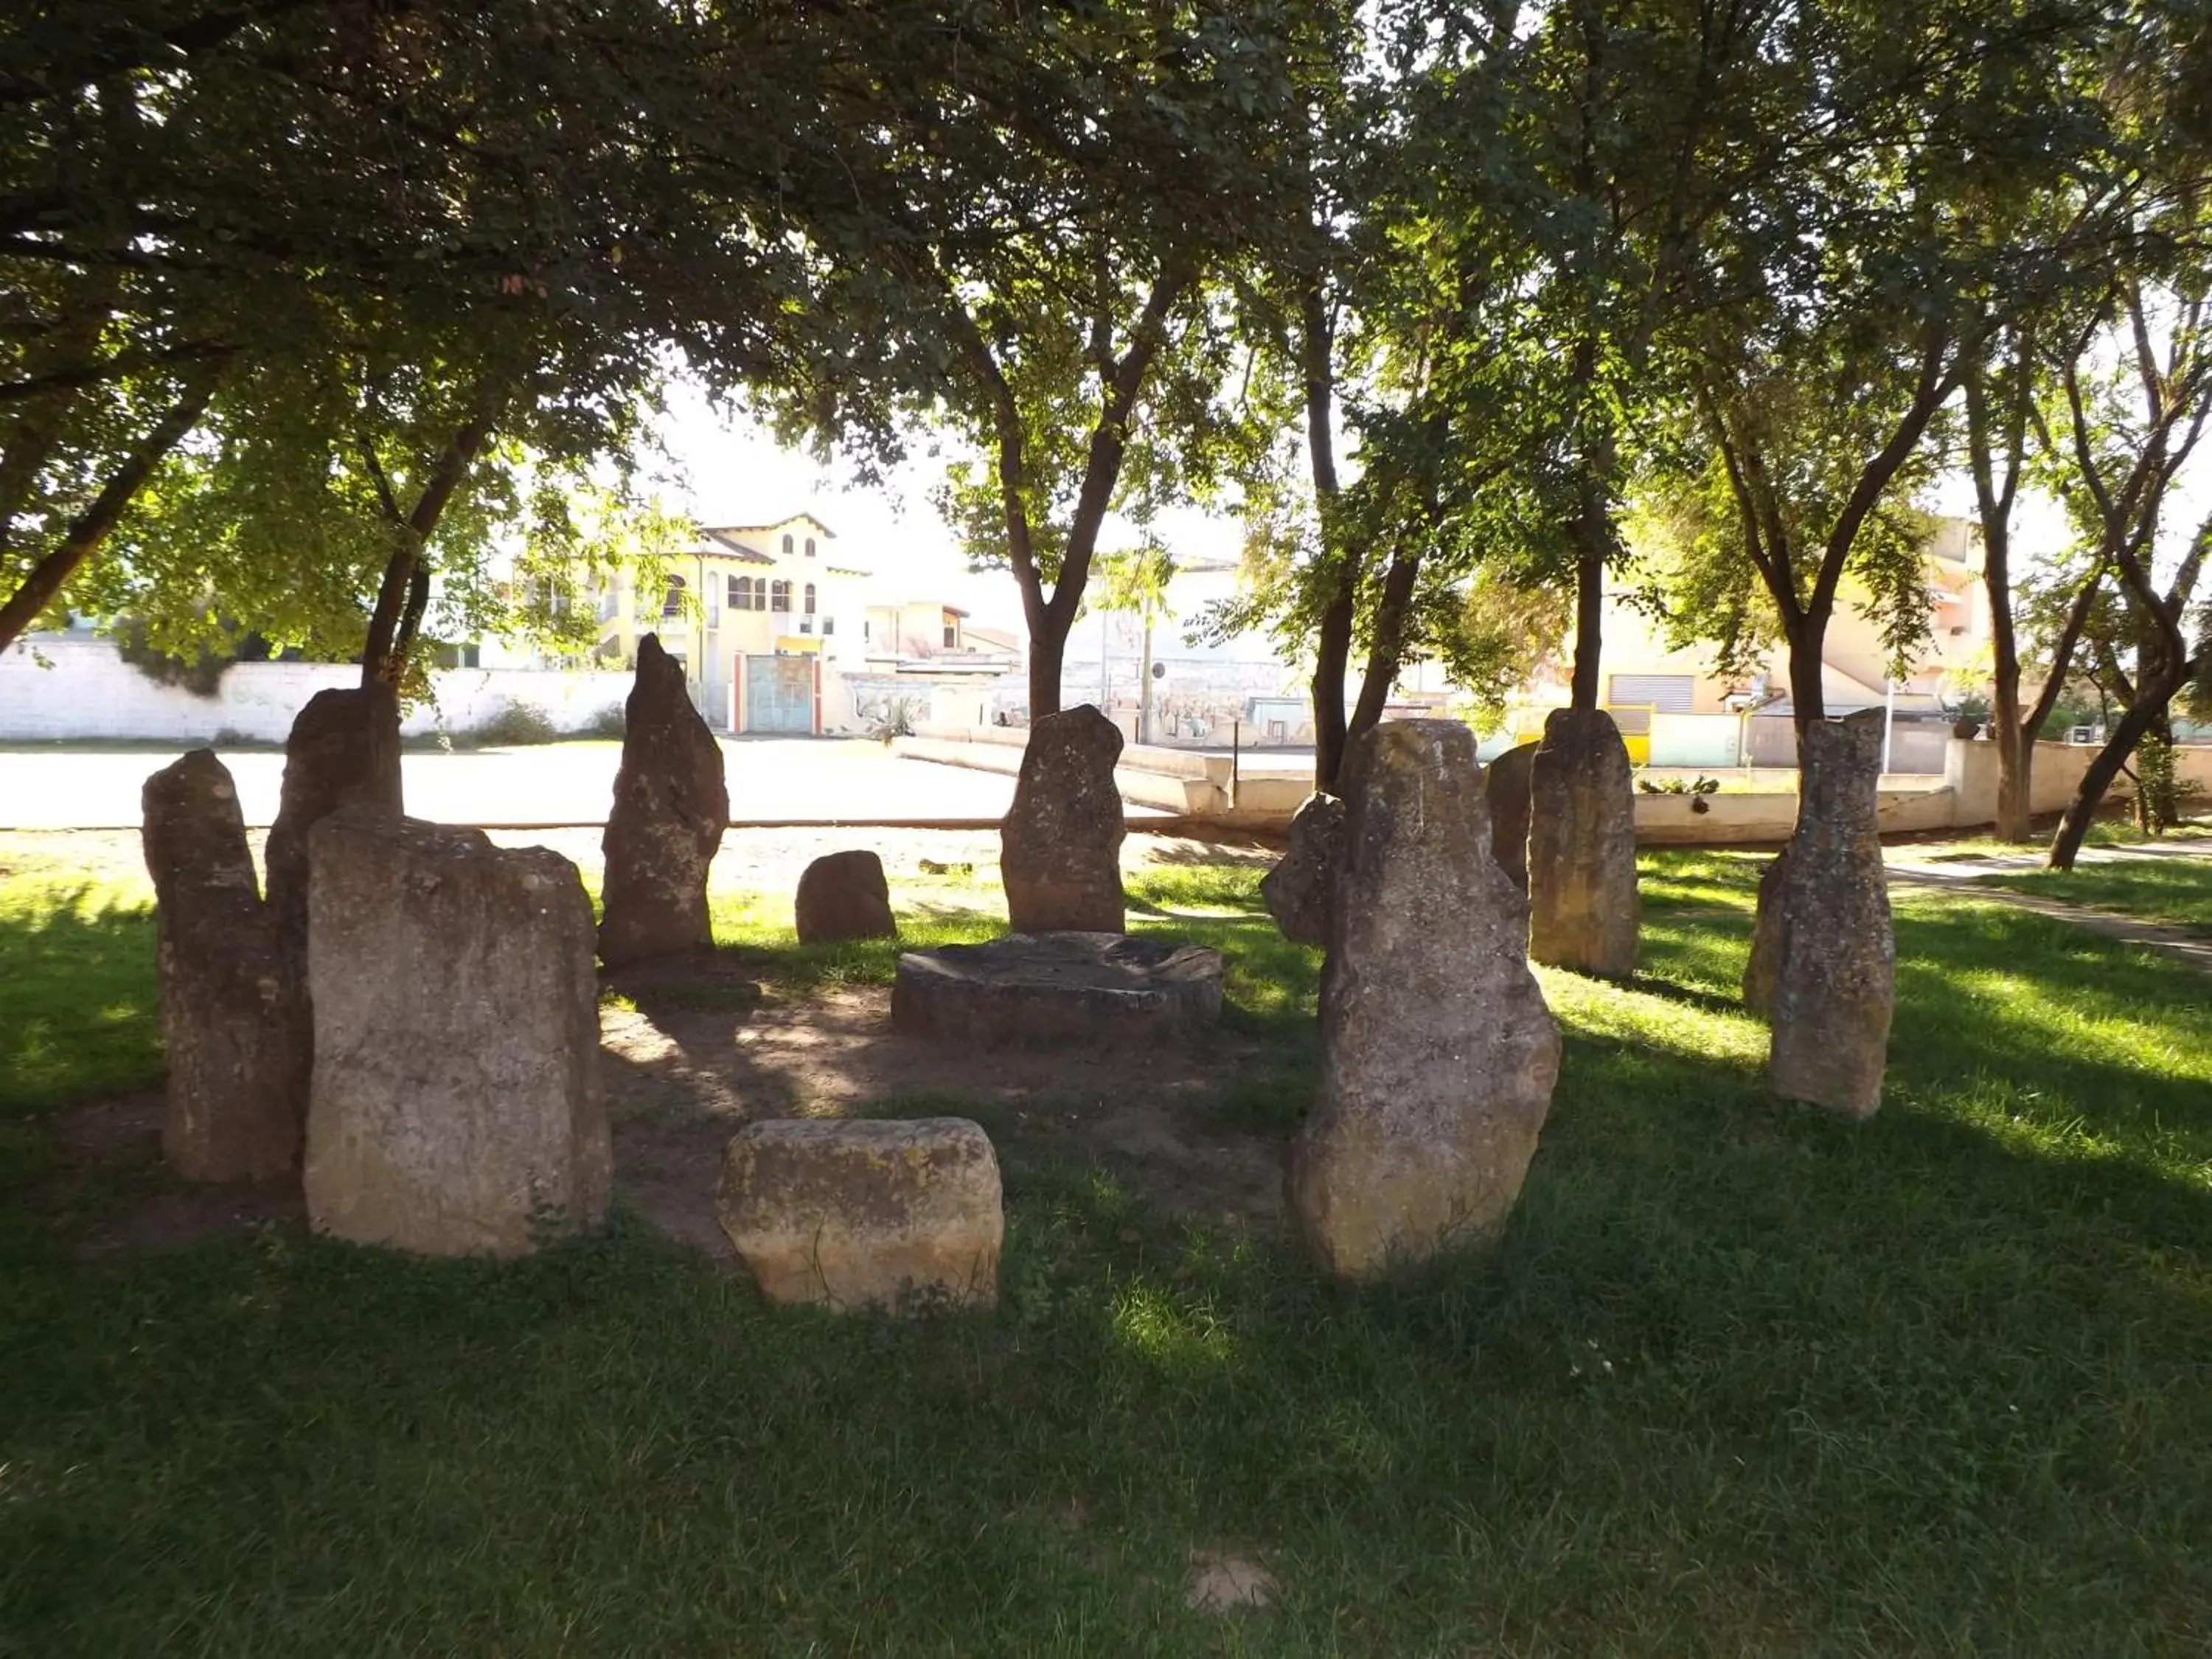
(780, 694)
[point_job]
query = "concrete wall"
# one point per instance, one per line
(1177, 781)
(60, 689)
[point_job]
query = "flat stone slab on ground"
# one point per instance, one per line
(904, 1215)
(1057, 988)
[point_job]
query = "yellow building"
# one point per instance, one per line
(763, 617)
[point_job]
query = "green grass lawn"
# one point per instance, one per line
(1738, 1380)
(2170, 890)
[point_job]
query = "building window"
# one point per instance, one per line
(809, 547)
(864, 626)
(787, 543)
(828, 626)
(951, 635)
(806, 624)
(779, 597)
(748, 593)
(673, 605)
(809, 599)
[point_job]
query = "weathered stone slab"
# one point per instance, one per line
(844, 896)
(1296, 891)
(671, 804)
(903, 1215)
(1049, 988)
(1061, 843)
(456, 1107)
(1584, 911)
(234, 1020)
(1437, 1055)
(1824, 957)
(343, 751)
(1507, 784)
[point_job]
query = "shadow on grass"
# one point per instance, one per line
(1729, 1363)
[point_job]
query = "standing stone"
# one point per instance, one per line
(672, 804)
(456, 1107)
(1506, 784)
(844, 896)
(1298, 890)
(1059, 847)
(904, 1215)
(344, 749)
(1824, 957)
(234, 1022)
(1583, 907)
(1437, 1055)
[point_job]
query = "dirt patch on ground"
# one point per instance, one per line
(681, 1078)
(704, 1051)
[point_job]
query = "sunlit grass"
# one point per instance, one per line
(2173, 890)
(79, 1014)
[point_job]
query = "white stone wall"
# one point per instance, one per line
(59, 688)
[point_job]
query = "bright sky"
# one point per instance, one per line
(733, 471)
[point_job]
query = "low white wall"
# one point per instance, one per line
(1179, 780)
(55, 690)
(1963, 796)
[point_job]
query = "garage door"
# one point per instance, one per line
(779, 694)
(1670, 694)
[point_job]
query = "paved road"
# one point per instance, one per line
(772, 781)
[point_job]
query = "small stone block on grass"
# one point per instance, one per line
(844, 896)
(903, 1216)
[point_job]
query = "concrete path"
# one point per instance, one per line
(1963, 877)
(772, 781)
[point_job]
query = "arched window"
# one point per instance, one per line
(809, 547)
(809, 599)
(778, 596)
(672, 605)
(745, 594)
(787, 543)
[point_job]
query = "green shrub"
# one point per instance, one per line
(609, 722)
(516, 723)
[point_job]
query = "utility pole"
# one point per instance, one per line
(1145, 692)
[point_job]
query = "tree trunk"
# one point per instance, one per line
(1593, 550)
(1383, 657)
(1332, 659)
(92, 527)
(1047, 652)
(1807, 700)
(2144, 716)
(1589, 611)
(406, 588)
(2015, 774)
(1332, 642)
